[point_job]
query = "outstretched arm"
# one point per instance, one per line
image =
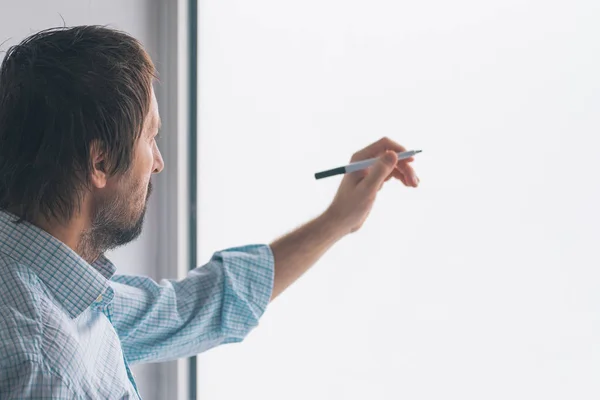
(222, 301)
(296, 252)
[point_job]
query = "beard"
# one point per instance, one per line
(114, 223)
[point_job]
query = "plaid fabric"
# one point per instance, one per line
(70, 330)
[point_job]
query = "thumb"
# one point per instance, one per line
(382, 168)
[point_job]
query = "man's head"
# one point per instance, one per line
(78, 120)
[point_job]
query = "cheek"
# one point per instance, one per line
(149, 158)
(148, 168)
(145, 162)
(140, 175)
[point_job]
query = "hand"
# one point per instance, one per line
(358, 190)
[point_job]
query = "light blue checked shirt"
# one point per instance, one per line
(70, 330)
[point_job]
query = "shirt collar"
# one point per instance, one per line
(75, 283)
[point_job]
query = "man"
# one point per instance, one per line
(78, 121)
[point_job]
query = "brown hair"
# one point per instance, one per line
(62, 91)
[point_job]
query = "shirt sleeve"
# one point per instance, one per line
(217, 303)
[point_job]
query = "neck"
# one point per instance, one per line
(74, 233)
(87, 248)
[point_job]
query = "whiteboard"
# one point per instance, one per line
(483, 283)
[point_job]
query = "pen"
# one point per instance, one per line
(356, 166)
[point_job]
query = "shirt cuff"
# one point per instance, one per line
(248, 286)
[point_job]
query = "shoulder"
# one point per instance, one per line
(21, 315)
(32, 379)
(35, 337)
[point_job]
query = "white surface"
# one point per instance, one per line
(141, 19)
(481, 284)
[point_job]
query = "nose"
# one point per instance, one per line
(159, 164)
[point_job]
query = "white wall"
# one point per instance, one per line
(482, 283)
(142, 19)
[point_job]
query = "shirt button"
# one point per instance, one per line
(99, 299)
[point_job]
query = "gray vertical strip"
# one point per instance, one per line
(192, 173)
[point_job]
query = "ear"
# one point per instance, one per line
(98, 175)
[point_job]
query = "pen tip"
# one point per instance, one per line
(418, 151)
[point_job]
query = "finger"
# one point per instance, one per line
(387, 179)
(376, 149)
(380, 170)
(409, 173)
(396, 173)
